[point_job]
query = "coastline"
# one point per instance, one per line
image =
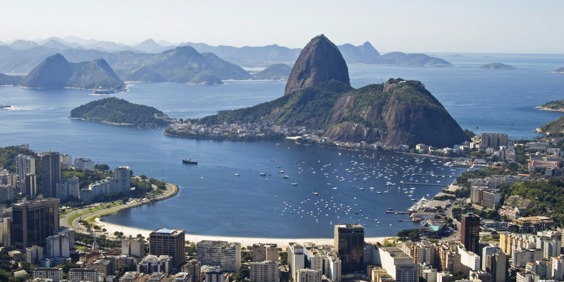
(172, 190)
(549, 109)
(245, 241)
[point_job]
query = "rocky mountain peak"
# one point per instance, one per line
(318, 62)
(53, 72)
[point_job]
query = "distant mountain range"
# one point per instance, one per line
(21, 56)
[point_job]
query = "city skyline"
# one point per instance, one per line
(438, 26)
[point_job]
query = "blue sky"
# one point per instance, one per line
(491, 26)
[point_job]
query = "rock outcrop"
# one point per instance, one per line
(56, 72)
(319, 97)
(53, 72)
(319, 61)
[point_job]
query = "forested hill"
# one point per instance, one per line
(121, 112)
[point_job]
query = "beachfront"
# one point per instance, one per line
(245, 241)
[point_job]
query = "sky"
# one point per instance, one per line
(465, 26)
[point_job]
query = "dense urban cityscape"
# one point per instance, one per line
(454, 243)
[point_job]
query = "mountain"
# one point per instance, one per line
(183, 64)
(411, 60)
(250, 56)
(554, 128)
(56, 44)
(23, 45)
(275, 54)
(393, 113)
(365, 53)
(95, 74)
(274, 72)
(121, 112)
(53, 72)
(318, 62)
(9, 79)
(497, 66)
(56, 72)
(150, 46)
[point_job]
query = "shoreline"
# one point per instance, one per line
(111, 228)
(245, 241)
(541, 108)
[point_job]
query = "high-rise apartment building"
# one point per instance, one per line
(34, 221)
(168, 242)
(24, 165)
(193, 268)
(58, 245)
(398, 264)
(122, 177)
(262, 252)
(470, 232)
(220, 253)
(50, 174)
(309, 275)
(266, 271)
(349, 243)
(134, 247)
(296, 259)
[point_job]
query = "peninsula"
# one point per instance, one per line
(319, 104)
(556, 106)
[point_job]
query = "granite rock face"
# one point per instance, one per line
(320, 61)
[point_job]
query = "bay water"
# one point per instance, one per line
(305, 189)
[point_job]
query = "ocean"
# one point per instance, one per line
(305, 189)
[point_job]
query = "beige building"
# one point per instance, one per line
(266, 271)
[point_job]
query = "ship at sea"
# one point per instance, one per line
(189, 161)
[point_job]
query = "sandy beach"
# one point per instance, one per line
(245, 241)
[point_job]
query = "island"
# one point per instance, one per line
(120, 112)
(411, 60)
(555, 106)
(497, 66)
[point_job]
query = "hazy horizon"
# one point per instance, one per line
(436, 26)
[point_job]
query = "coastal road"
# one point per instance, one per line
(86, 213)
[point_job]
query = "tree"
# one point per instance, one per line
(103, 167)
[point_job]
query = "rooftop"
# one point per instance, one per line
(167, 231)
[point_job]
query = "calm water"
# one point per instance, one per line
(351, 186)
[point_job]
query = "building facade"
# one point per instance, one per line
(50, 174)
(349, 243)
(34, 221)
(470, 232)
(168, 242)
(266, 271)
